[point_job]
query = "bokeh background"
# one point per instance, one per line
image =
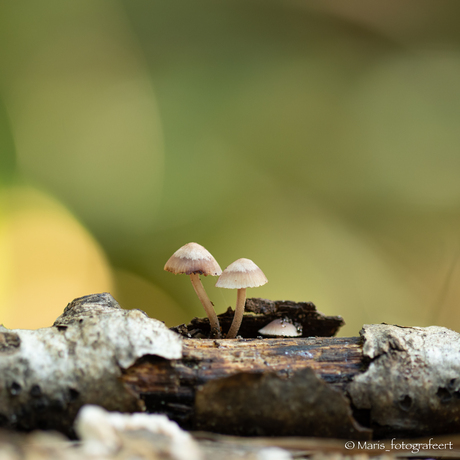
(319, 139)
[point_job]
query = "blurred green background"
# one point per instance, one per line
(319, 139)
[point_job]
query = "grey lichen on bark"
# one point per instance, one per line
(46, 375)
(412, 384)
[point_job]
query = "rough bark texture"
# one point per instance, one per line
(260, 312)
(266, 404)
(46, 375)
(412, 385)
(406, 381)
(169, 386)
(411, 388)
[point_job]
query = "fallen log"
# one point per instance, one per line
(170, 386)
(398, 381)
(391, 381)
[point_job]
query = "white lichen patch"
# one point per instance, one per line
(54, 371)
(413, 378)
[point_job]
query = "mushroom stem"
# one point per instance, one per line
(238, 317)
(207, 304)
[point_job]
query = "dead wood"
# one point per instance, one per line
(412, 385)
(170, 386)
(46, 375)
(266, 404)
(260, 312)
(392, 381)
(406, 382)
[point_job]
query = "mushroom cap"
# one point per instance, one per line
(243, 273)
(281, 328)
(193, 258)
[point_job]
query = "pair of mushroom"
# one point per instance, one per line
(194, 260)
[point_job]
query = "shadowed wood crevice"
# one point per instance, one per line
(260, 312)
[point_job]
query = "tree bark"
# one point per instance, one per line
(391, 381)
(47, 375)
(397, 381)
(170, 386)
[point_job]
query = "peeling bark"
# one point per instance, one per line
(268, 405)
(260, 312)
(411, 387)
(169, 386)
(404, 382)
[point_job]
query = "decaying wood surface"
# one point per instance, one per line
(260, 312)
(169, 386)
(391, 381)
(403, 382)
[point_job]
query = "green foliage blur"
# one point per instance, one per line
(319, 139)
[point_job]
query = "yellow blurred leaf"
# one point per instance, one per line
(47, 259)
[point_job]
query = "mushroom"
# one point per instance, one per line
(194, 260)
(281, 327)
(241, 274)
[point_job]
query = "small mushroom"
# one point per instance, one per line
(281, 327)
(194, 260)
(241, 274)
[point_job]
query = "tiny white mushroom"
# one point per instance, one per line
(281, 327)
(194, 260)
(241, 274)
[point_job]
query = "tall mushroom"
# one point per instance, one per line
(194, 260)
(241, 274)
